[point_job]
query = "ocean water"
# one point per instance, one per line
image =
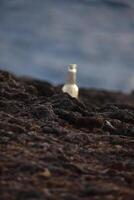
(39, 38)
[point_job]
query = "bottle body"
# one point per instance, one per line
(71, 89)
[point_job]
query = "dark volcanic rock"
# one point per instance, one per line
(53, 146)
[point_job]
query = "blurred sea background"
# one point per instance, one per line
(39, 38)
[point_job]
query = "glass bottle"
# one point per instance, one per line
(70, 87)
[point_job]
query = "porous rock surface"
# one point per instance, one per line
(55, 147)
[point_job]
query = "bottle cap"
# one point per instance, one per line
(72, 67)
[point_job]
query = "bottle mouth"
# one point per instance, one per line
(72, 67)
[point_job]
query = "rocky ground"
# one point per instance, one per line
(55, 147)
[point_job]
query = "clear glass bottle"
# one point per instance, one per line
(70, 87)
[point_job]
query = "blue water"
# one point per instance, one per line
(39, 38)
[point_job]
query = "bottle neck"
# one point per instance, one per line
(71, 78)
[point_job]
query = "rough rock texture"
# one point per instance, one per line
(55, 147)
